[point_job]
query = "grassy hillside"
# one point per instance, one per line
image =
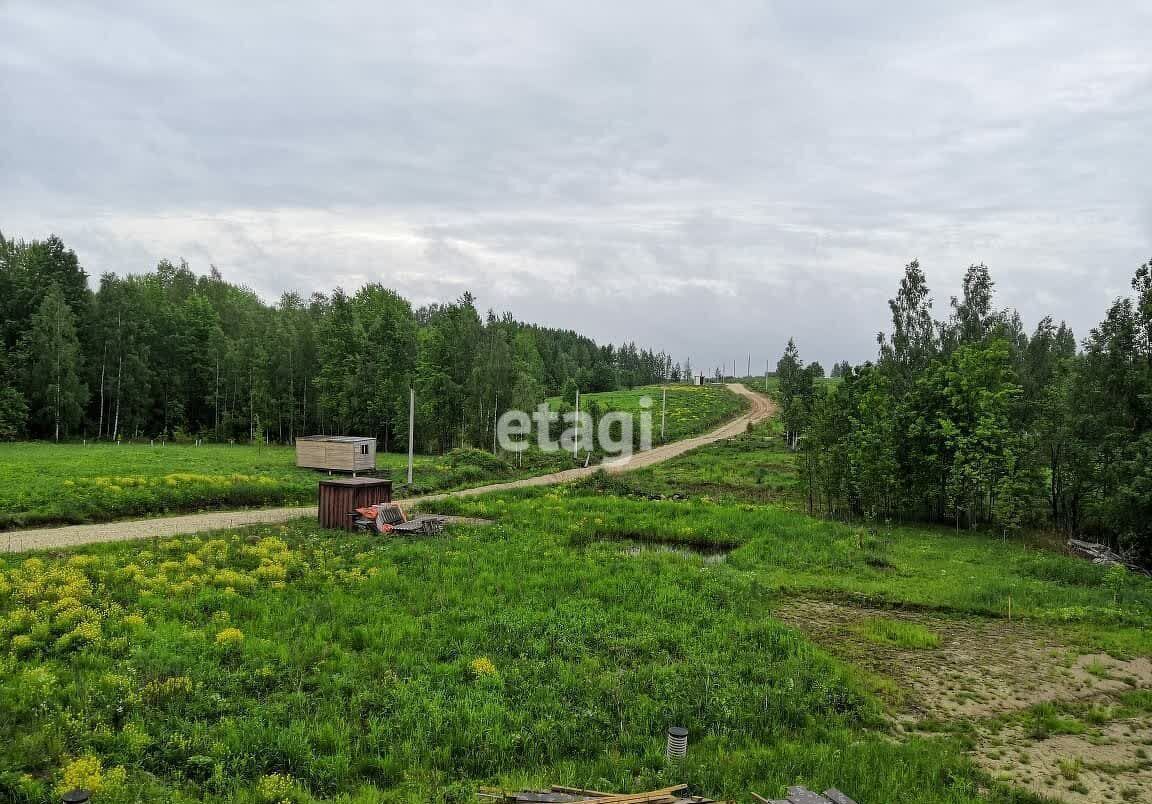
(691, 410)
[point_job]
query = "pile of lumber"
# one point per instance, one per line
(1103, 554)
(800, 795)
(557, 793)
(668, 795)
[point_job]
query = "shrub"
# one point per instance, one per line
(462, 457)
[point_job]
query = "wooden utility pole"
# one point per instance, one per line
(103, 364)
(411, 430)
(495, 412)
(576, 444)
(58, 372)
(119, 371)
(663, 412)
(216, 403)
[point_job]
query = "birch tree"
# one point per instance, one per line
(57, 394)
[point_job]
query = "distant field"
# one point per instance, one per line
(42, 483)
(772, 383)
(691, 409)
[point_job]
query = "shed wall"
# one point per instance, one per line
(340, 456)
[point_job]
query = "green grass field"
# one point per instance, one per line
(691, 409)
(43, 483)
(754, 467)
(289, 664)
(275, 664)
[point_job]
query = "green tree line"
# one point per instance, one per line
(975, 421)
(170, 353)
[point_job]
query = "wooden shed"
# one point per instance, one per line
(336, 453)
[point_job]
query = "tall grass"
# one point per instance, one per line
(296, 664)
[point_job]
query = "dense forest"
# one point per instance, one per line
(171, 354)
(974, 421)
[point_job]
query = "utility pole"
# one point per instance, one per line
(495, 408)
(663, 413)
(411, 430)
(576, 444)
(749, 374)
(216, 401)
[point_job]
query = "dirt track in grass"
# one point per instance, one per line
(760, 408)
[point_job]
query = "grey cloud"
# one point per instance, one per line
(707, 178)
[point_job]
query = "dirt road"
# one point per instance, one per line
(161, 527)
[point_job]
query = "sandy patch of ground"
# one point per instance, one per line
(984, 673)
(1110, 763)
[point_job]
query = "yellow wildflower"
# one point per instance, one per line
(271, 571)
(276, 788)
(230, 637)
(88, 773)
(483, 667)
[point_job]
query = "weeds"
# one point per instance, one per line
(898, 633)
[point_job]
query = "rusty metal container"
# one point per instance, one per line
(339, 496)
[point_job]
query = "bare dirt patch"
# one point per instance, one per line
(986, 675)
(1105, 764)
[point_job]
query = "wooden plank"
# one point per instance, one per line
(559, 788)
(802, 795)
(836, 797)
(662, 796)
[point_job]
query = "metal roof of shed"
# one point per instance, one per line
(337, 439)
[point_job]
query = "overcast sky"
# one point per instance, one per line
(705, 177)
